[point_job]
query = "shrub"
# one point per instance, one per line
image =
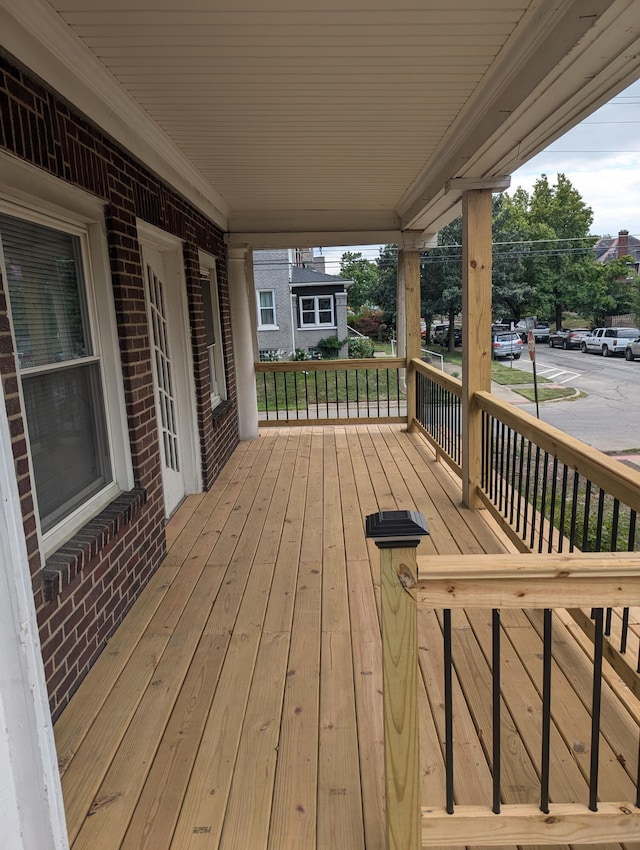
(360, 347)
(301, 354)
(371, 323)
(329, 347)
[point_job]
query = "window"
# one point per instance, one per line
(266, 310)
(213, 330)
(316, 311)
(46, 268)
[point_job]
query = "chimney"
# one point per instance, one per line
(623, 243)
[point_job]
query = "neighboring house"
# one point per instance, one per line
(613, 248)
(297, 304)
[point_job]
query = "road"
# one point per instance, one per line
(609, 417)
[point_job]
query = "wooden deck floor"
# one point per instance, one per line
(239, 705)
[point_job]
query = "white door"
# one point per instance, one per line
(167, 346)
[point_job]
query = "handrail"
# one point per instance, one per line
(338, 365)
(448, 382)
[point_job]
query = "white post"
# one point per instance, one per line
(31, 806)
(240, 278)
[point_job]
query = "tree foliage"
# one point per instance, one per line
(364, 274)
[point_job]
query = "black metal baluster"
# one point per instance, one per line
(501, 467)
(495, 656)
(585, 523)
(625, 630)
(546, 711)
(596, 704)
(615, 525)
(574, 511)
(306, 392)
(520, 477)
(266, 394)
(563, 504)
(527, 488)
(552, 505)
(295, 394)
(534, 502)
(275, 387)
(543, 501)
(599, 521)
(448, 711)
(514, 462)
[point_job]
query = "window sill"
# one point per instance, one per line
(73, 556)
(268, 327)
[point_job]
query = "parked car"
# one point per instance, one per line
(632, 350)
(609, 341)
(568, 337)
(506, 344)
(541, 332)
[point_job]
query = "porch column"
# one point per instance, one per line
(476, 333)
(242, 328)
(408, 313)
(31, 807)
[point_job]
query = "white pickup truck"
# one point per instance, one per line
(609, 341)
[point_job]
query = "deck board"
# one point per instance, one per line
(239, 706)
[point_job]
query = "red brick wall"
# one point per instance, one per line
(87, 586)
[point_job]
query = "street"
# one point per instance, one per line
(609, 417)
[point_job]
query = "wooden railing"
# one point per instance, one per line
(332, 391)
(548, 491)
(439, 412)
(545, 582)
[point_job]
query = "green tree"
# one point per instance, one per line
(364, 273)
(384, 292)
(560, 263)
(512, 287)
(613, 290)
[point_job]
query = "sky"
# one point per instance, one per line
(601, 158)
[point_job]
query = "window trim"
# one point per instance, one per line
(317, 325)
(103, 327)
(209, 268)
(267, 327)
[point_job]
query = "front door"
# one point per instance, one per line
(165, 340)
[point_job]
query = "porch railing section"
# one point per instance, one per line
(331, 391)
(439, 412)
(553, 493)
(542, 585)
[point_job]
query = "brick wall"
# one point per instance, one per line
(88, 585)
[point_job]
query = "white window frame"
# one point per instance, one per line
(83, 217)
(267, 326)
(316, 311)
(215, 353)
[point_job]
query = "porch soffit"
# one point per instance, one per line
(290, 119)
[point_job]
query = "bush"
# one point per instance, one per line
(329, 347)
(360, 347)
(371, 323)
(301, 354)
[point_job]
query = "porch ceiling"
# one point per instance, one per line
(303, 117)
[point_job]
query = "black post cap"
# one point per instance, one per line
(396, 529)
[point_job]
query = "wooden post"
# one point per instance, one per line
(396, 533)
(476, 330)
(411, 274)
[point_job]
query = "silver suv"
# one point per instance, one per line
(506, 344)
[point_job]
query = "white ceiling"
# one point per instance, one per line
(345, 117)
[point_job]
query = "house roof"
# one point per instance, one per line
(609, 248)
(315, 122)
(304, 276)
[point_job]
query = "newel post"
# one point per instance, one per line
(397, 534)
